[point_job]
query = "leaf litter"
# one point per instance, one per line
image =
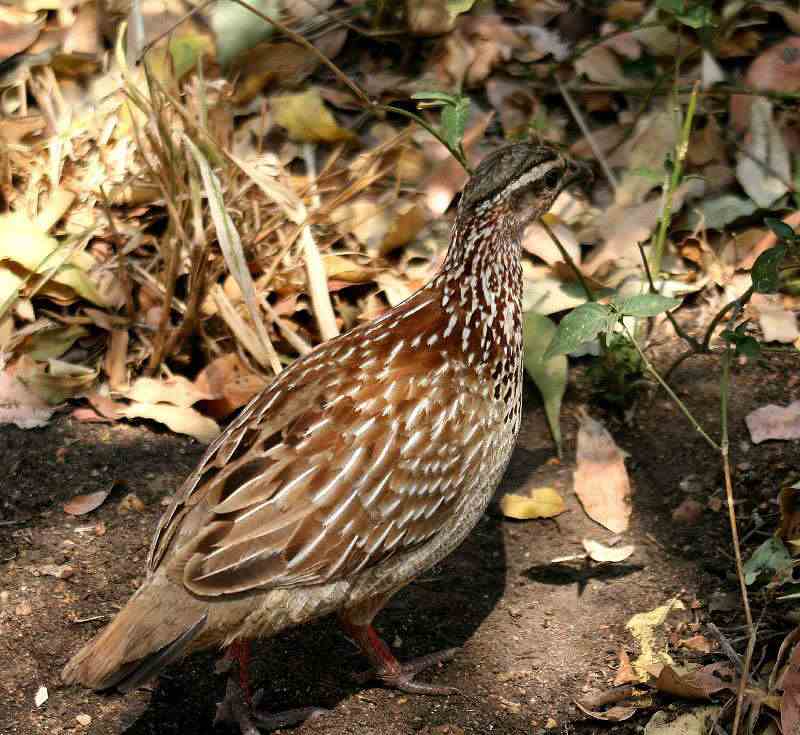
(174, 237)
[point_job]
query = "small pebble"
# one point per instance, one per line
(84, 720)
(130, 502)
(24, 608)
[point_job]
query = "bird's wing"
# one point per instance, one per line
(359, 451)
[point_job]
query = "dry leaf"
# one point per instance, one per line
(790, 702)
(625, 701)
(55, 381)
(41, 696)
(777, 70)
(229, 378)
(697, 643)
(21, 406)
(537, 242)
(625, 673)
(542, 502)
(306, 118)
(448, 177)
(777, 324)
(600, 65)
(684, 686)
(176, 390)
(647, 630)
(25, 243)
(602, 553)
(774, 422)
(763, 165)
(83, 504)
(409, 219)
(181, 420)
(601, 480)
(696, 722)
(688, 512)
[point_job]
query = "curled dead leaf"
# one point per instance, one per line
(542, 502)
(306, 118)
(83, 504)
(602, 553)
(600, 478)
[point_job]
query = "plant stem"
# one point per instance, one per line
(681, 405)
(737, 303)
(458, 153)
(685, 336)
(723, 404)
(681, 148)
(569, 261)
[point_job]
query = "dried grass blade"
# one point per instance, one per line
(315, 268)
(296, 211)
(231, 246)
(243, 332)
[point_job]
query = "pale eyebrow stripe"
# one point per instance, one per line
(535, 173)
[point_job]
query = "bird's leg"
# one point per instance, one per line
(240, 708)
(387, 669)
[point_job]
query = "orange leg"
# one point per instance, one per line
(387, 669)
(241, 708)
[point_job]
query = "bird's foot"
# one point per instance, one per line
(396, 675)
(251, 721)
(388, 670)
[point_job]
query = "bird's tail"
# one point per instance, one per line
(148, 634)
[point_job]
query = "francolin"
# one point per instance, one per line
(362, 465)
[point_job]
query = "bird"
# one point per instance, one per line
(363, 464)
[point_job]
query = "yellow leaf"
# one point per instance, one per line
(543, 502)
(179, 419)
(26, 244)
(306, 118)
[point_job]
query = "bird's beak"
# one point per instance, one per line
(578, 172)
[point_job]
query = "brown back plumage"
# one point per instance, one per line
(357, 455)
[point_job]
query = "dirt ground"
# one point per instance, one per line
(534, 635)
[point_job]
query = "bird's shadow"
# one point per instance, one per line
(314, 664)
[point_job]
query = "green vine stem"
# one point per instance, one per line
(678, 402)
(673, 182)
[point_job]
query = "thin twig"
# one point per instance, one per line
(736, 303)
(685, 336)
(576, 113)
(718, 90)
(723, 400)
(569, 261)
(681, 405)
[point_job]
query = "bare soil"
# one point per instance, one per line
(534, 635)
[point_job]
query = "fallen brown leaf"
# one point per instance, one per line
(774, 422)
(82, 504)
(600, 478)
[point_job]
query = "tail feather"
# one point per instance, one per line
(147, 635)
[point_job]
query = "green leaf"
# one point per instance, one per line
(771, 558)
(693, 14)
(456, 7)
(579, 326)
(648, 304)
(765, 275)
(745, 345)
(454, 122)
(781, 229)
(550, 375)
(443, 98)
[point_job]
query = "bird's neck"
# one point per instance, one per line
(481, 288)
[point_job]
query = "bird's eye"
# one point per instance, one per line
(551, 178)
